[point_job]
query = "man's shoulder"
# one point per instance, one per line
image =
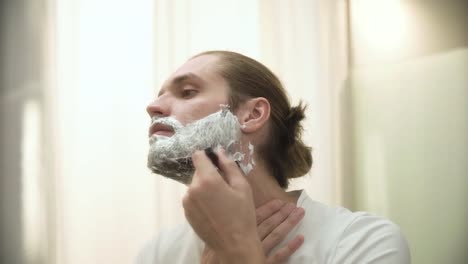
(327, 219)
(340, 218)
(340, 234)
(370, 238)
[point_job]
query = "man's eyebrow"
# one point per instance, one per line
(181, 79)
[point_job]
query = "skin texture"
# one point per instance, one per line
(240, 218)
(193, 97)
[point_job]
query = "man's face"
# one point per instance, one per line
(186, 116)
(194, 91)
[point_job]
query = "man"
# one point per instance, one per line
(236, 205)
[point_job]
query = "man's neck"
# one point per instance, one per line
(265, 187)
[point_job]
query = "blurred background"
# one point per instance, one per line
(386, 82)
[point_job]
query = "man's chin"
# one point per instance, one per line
(179, 170)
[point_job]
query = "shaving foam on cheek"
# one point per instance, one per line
(171, 156)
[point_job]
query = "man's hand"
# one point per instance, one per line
(219, 206)
(275, 220)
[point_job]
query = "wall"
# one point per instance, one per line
(21, 78)
(411, 155)
(409, 112)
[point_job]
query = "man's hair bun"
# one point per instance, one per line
(299, 156)
(293, 122)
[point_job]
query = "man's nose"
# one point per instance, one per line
(155, 108)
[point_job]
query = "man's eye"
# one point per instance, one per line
(188, 93)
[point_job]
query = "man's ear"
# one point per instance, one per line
(253, 114)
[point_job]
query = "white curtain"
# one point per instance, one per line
(104, 79)
(107, 61)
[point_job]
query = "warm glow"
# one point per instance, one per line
(380, 26)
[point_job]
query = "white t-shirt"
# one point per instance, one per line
(331, 235)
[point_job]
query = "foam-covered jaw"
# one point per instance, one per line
(171, 156)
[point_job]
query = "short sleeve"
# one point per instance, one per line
(371, 239)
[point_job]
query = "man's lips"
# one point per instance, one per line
(161, 130)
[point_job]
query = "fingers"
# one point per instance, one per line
(282, 254)
(274, 220)
(280, 232)
(202, 162)
(231, 170)
(268, 209)
(205, 170)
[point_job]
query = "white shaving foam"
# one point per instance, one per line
(171, 156)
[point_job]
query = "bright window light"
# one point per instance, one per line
(380, 26)
(30, 194)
